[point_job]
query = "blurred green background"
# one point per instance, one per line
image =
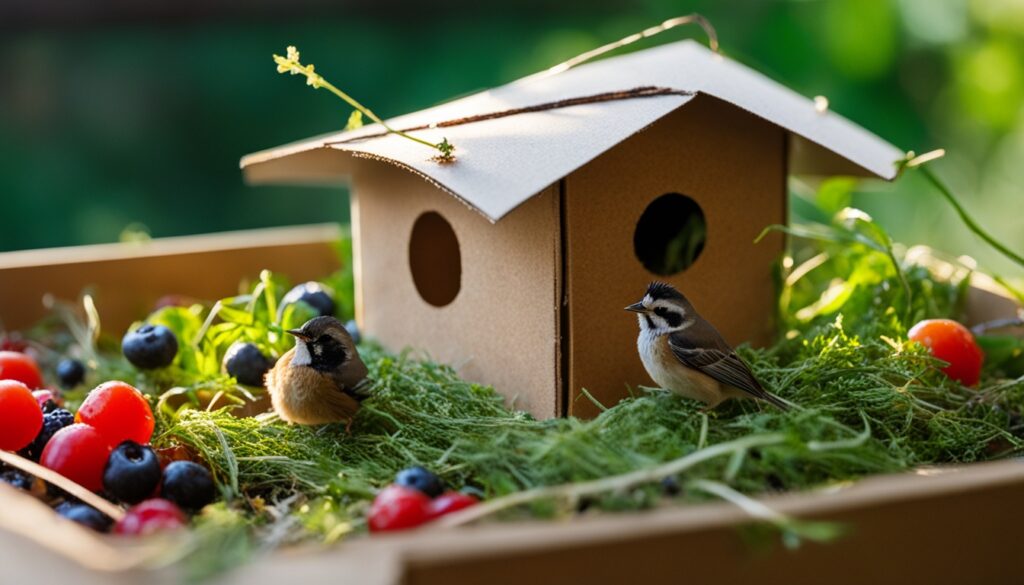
(116, 115)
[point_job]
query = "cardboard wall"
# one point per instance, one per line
(502, 327)
(127, 279)
(734, 165)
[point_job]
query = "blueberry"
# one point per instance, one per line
(353, 330)
(313, 294)
(188, 484)
(246, 363)
(670, 486)
(420, 479)
(53, 421)
(17, 478)
(70, 373)
(150, 346)
(85, 515)
(132, 473)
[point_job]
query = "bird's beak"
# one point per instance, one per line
(637, 308)
(298, 334)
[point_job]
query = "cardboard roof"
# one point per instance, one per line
(504, 161)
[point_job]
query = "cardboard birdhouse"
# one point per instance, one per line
(572, 190)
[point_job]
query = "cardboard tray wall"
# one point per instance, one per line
(949, 525)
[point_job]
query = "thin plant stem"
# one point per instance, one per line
(671, 23)
(612, 483)
(369, 114)
(291, 64)
(967, 219)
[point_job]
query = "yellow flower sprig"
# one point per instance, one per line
(290, 63)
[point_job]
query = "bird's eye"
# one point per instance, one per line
(661, 312)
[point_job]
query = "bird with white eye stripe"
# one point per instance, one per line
(684, 353)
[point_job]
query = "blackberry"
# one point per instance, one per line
(53, 421)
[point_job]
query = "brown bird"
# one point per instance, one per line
(320, 380)
(684, 353)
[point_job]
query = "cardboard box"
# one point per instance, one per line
(570, 192)
(955, 525)
(129, 278)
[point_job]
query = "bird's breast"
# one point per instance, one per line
(669, 373)
(303, 395)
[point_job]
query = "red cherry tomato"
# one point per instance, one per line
(449, 502)
(149, 517)
(79, 453)
(20, 367)
(953, 343)
(20, 415)
(398, 508)
(119, 411)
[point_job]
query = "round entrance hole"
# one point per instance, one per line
(670, 234)
(434, 259)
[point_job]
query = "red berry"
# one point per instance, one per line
(150, 517)
(119, 411)
(449, 502)
(45, 395)
(79, 453)
(20, 367)
(953, 343)
(13, 342)
(20, 415)
(398, 508)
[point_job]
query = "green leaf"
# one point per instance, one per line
(835, 194)
(237, 316)
(184, 322)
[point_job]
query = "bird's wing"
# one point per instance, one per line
(721, 363)
(343, 381)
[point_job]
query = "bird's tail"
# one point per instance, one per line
(776, 401)
(361, 391)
